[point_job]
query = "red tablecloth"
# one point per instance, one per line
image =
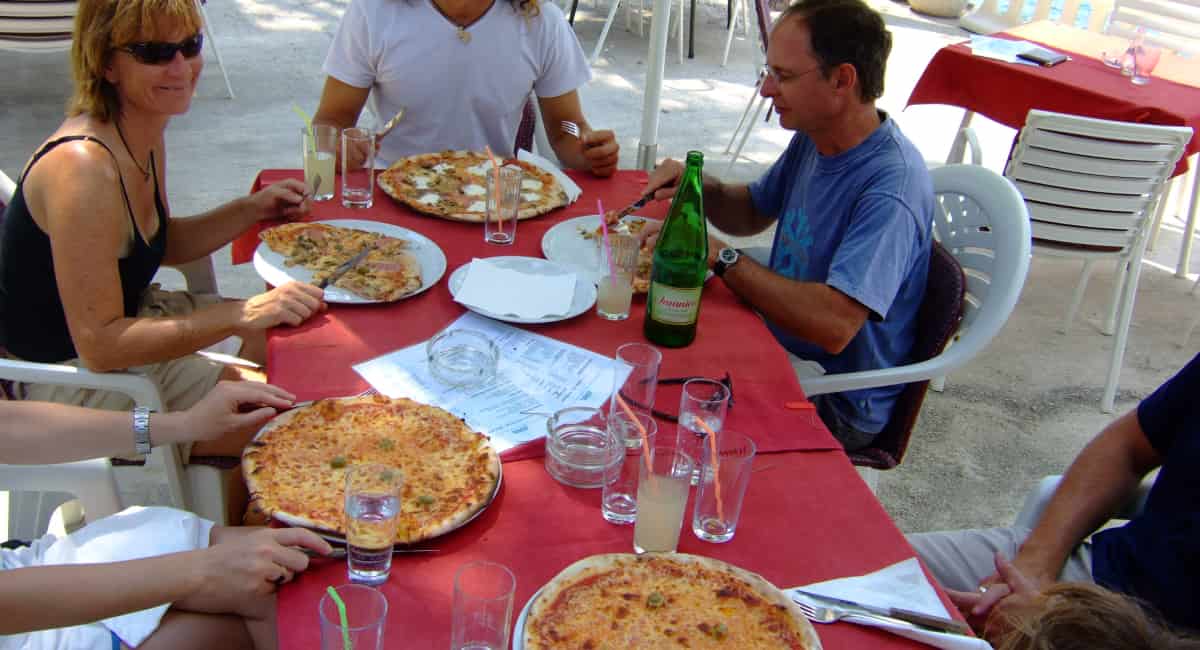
(807, 517)
(1005, 92)
(314, 360)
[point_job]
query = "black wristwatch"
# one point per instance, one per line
(726, 258)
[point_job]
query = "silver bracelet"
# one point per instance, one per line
(141, 430)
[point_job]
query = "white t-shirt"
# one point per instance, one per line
(458, 95)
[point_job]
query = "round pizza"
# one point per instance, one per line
(295, 467)
(388, 272)
(661, 600)
(453, 185)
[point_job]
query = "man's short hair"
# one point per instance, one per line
(847, 31)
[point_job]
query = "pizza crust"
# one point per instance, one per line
(597, 566)
(295, 466)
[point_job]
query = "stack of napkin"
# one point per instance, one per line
(492, 288)
(902, 585)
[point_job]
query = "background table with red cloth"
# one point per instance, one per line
(1005, 92)
(315, 359)
(807, 517)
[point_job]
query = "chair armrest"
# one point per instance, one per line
(837, 383)
(141, 389)
(91, 481)
(199, 275)
(968, 136)
(1039, 498)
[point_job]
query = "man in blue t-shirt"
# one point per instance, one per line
(1155, 557)
(854, 205)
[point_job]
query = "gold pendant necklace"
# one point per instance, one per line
(464, 35)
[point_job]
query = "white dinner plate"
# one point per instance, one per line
(585, 292)
(565, 243)
(270, 266)
(518, 631)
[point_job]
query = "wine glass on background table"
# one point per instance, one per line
(702, 409)
(1145, 59)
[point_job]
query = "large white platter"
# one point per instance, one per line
(270, 266)
(564, 243)
(585, 292)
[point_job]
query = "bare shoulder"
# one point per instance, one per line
(74, 178)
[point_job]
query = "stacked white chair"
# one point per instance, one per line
(746, 124)
(612, 13)
(1091, 187)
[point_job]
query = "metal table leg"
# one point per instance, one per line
(1189, 229)
(692, 32)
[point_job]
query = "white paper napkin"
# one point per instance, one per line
(573, 191)
(499, 290)
(902, 585)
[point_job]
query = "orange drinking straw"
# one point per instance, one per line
(716, 458)
(641, 429)
(496, 183)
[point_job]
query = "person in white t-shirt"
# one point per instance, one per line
(463, 70)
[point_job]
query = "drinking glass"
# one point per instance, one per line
(319, 150)
(664, 479)
(483, 599)
(723, 481)
(640, 385)
(503, 201)
(615, 291)
(372, 514)
(366, 617)
(702, 410)
(358, 167)
(1145, 59)
(579, 448)
(618, 501)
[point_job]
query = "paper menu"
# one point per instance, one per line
(536, 375)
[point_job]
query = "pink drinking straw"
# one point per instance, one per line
(612, 271)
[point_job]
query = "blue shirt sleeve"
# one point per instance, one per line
(876, 253)
(1173, 406)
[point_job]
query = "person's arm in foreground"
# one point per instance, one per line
(239, 569)
(594, 151)
(41, 432)
(1098, 483)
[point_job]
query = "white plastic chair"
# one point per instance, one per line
(612, 13)
(1171, 24)
(1091, 187)
(988, 19)
(763, 15)
(199, 488)
(740, 8)
(1039, 498)
(982, 221)
(92, 482)
(47, 26)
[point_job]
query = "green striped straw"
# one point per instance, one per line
(341, 606)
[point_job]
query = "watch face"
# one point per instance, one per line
(728, 255)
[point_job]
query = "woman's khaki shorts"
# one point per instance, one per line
(182, 381)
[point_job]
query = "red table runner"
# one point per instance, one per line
(315, 359)
(807, 518)
(1005, 92)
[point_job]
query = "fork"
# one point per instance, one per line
(819, 614)
(570, 128)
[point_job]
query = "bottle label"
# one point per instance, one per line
(674, 305)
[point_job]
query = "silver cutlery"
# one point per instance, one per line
(635, 205)
(346, 266)
(570, 128)
(817, 613)
(339, 552)
(391, 124)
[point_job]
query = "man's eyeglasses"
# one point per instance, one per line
(726, 381)
(161, 52)
(768, 71)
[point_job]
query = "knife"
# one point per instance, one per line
(917, 618)
(345, 266)
(634, 206)
(391, 124)
(339, 552)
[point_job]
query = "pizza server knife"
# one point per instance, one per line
(346, 266)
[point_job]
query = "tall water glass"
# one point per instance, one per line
(358, 167)
(663, 485)
(503, 202)
(366, 619)
(372, 513)
(618, 501)
(483, 599)
(639, 386)
(319, 149)
(702, 409)
(723, 481)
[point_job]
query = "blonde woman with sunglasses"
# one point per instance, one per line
(90, 225)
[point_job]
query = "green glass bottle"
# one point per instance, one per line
(680, 263)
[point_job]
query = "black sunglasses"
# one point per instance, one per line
(726, 381)
(160, 52)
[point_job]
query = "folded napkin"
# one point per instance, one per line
(493, 288)
(573, 191)
(901, 585)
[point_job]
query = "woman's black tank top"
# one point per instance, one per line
(33, 325)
